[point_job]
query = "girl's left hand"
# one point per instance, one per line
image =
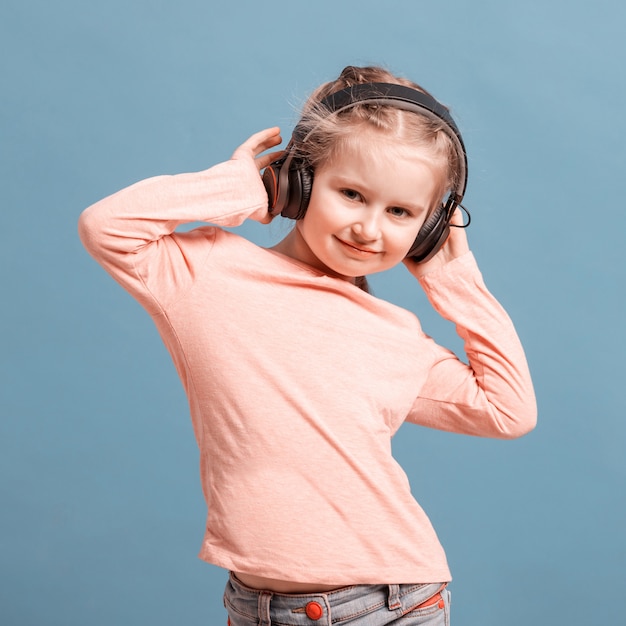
(455, 246)
(253, 147)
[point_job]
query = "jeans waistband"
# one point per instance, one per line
(329, 607)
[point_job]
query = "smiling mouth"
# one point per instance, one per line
(360, 250)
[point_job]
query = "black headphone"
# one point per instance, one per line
(289, 180)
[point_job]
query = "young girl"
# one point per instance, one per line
(297, 377)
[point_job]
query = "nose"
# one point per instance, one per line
(368, 227)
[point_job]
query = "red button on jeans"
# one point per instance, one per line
(314, 610)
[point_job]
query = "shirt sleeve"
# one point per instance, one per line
(131, 233)
(493, 396)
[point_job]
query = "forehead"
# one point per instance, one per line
(380, 147)
(396, 172)
(373, 148)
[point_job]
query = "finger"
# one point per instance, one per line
(457, 243)
(457, 217)
(264, 160)
(260, 141)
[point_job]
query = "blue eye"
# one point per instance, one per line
(396, 211)
(350, 194)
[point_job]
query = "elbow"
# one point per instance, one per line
(84, 227)
(88, 230)
(519, 424)
(520, 430)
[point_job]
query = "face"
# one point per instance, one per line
(366, 209)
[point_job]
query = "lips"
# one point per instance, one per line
(358, 249)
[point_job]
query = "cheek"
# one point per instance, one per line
(403, 241)
(309, 226)
(312, 230)
(318, 221)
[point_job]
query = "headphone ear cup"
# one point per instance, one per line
(270, 178)
(300, 178)
(432, 235)
(306, 181)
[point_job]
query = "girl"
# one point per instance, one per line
(297, 377)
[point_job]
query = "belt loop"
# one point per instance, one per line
(393, 599)
(265, 597)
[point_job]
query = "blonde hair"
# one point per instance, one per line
(319, 137)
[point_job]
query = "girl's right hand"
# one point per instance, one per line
(455, 246)
(254, 146)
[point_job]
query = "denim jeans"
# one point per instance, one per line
(359, 605)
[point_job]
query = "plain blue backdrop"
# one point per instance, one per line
(101, 512)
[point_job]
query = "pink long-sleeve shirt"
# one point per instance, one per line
(297, 381)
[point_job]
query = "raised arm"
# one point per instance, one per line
(493, 396)
(130, 233)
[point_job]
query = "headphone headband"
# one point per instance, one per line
(407, 99)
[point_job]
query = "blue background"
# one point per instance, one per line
(101, 512)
